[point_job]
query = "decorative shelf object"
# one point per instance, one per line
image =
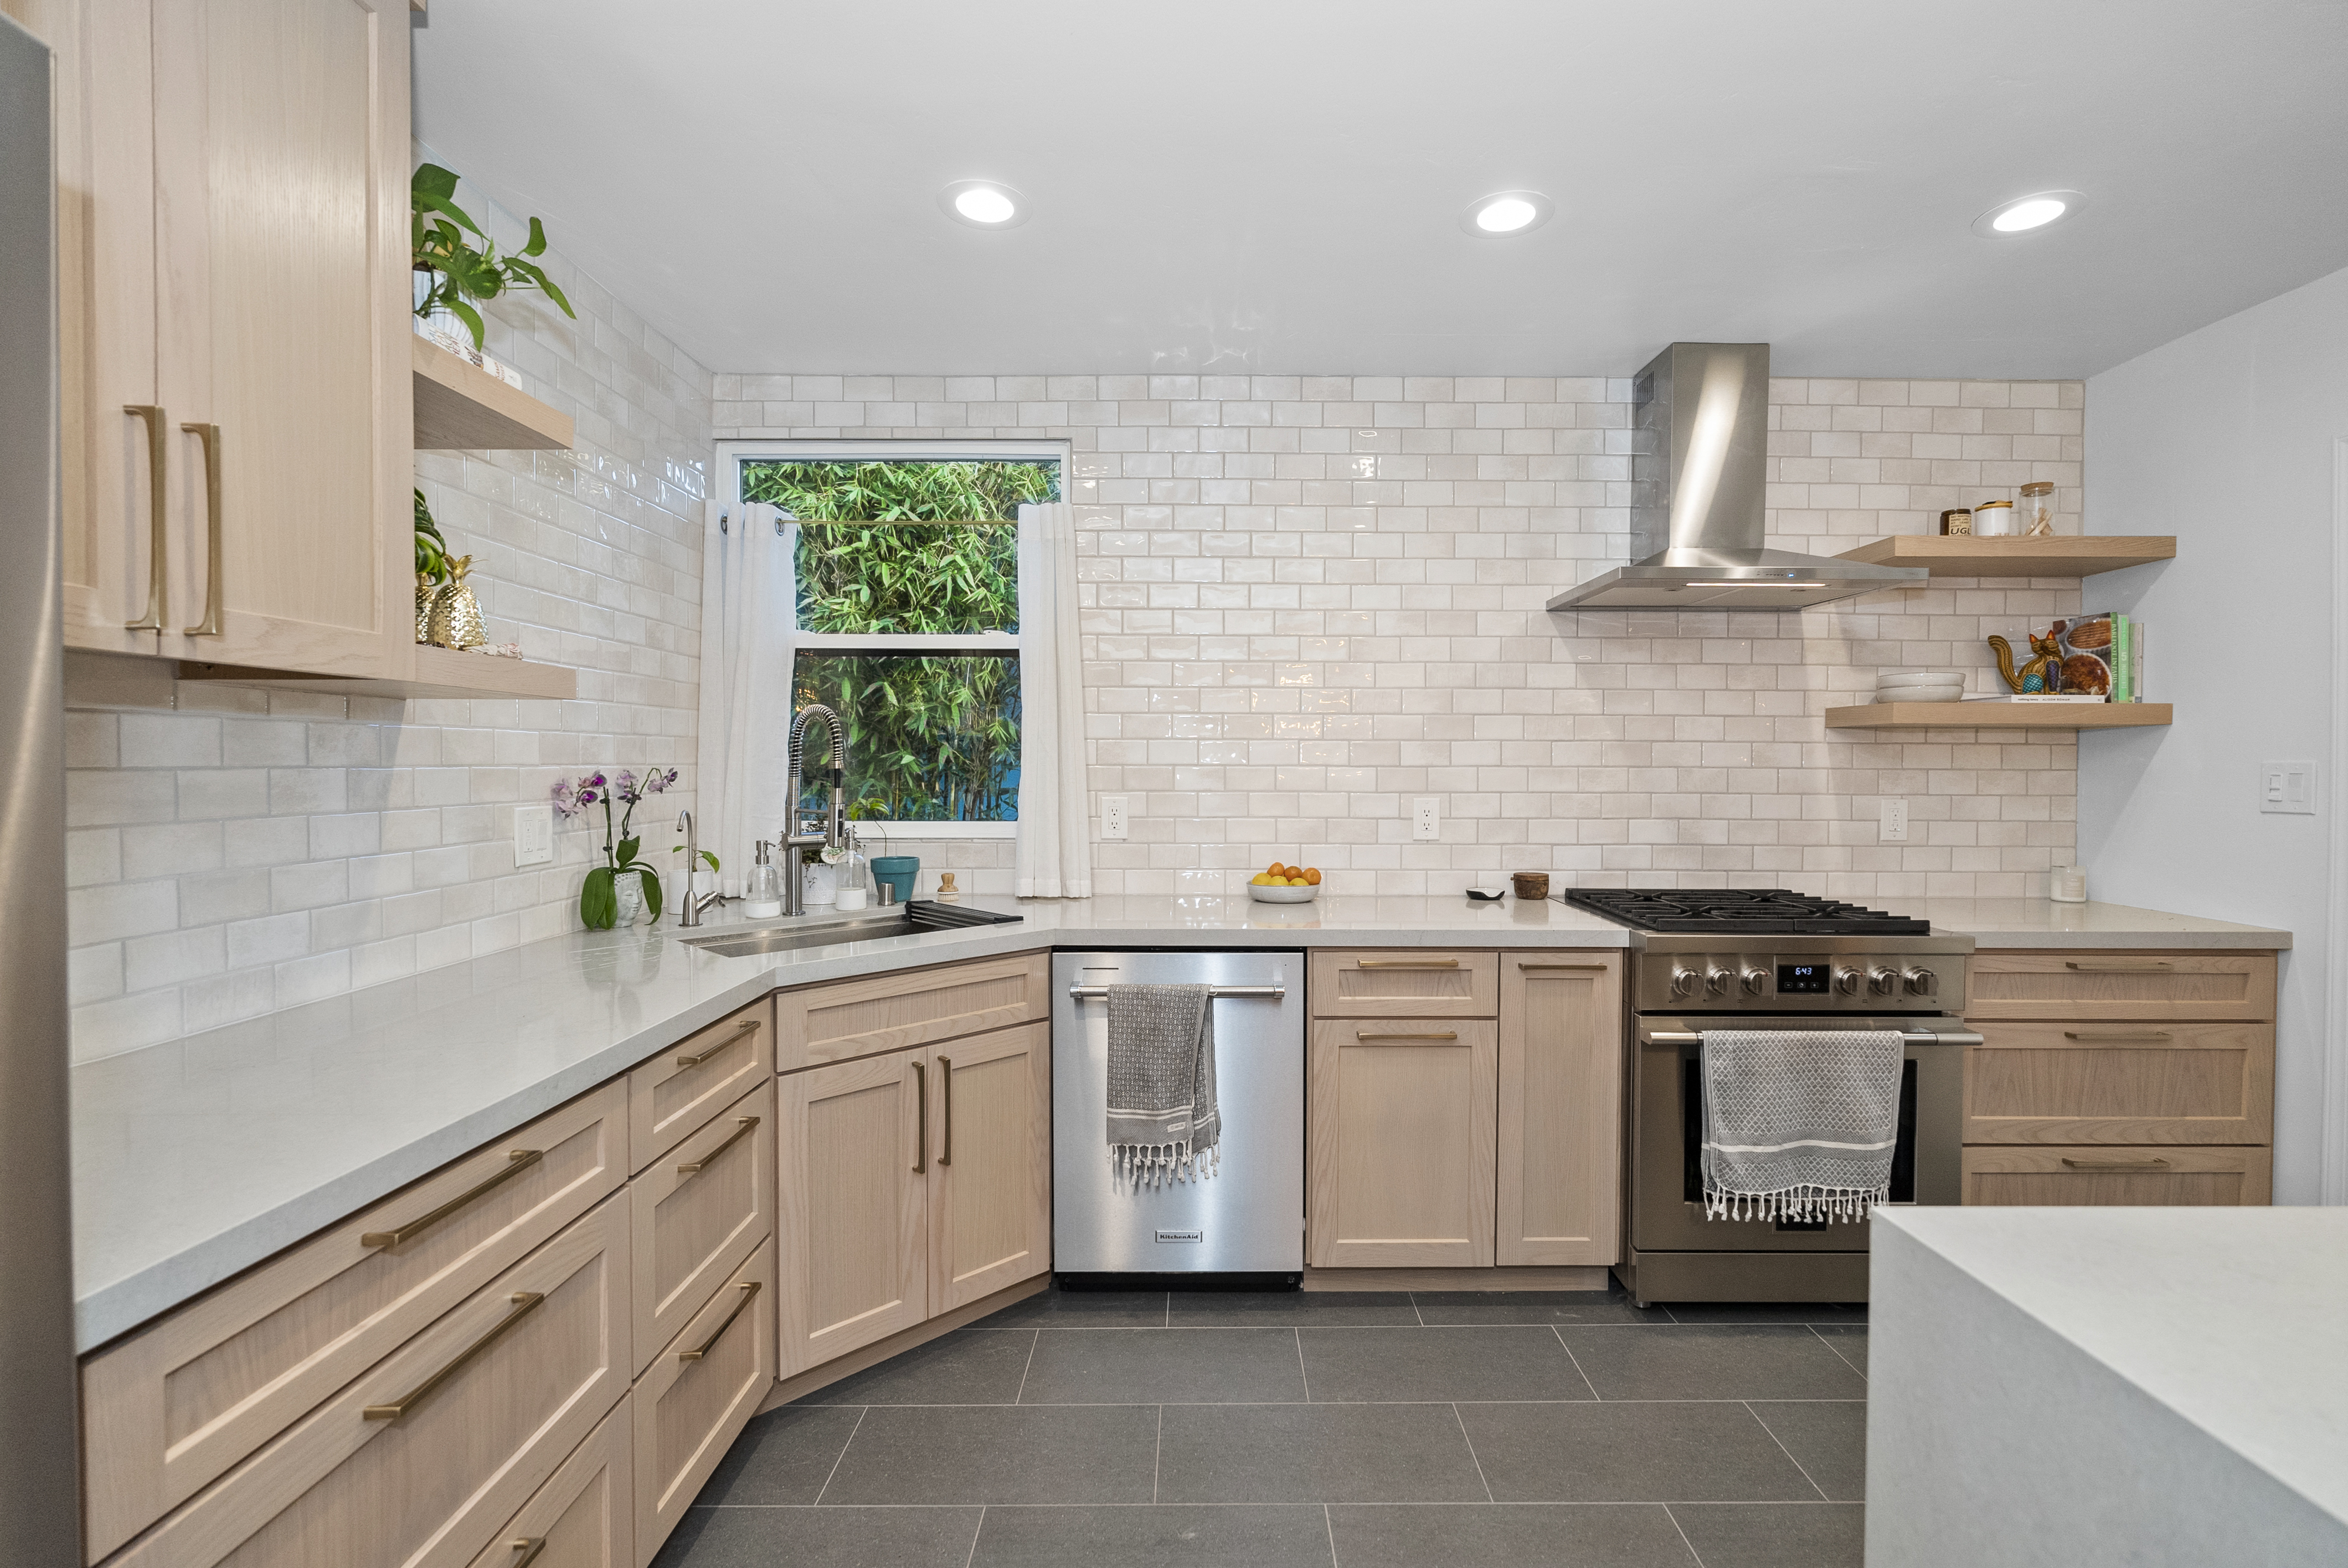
(2063, 554)
(438, 672)
(462, 407)
(2000, 716)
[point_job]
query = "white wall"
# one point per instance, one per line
(2226, 438)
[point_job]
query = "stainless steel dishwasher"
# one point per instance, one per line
(1246, 1219)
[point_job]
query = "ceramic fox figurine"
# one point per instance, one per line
(2037, 673)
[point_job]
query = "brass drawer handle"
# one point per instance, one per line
(1405, 963)
(920, 1118)
(2119, 966)
(743, 1126)
(945, 1087)
(1397, 1034)
(2105, 1034)
(525, 1302)
(2115, 1165)
(1530, 964)
(749, 1292)
(530, 1546)
(211, 624)
(517, 1162)
(158, 454)
(686, 1060)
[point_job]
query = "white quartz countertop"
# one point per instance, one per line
(2231, 1318)
(197, 1159)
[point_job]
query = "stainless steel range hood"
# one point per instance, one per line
(1700, 449)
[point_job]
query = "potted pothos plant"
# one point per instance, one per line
(615, 890)
(451, 274)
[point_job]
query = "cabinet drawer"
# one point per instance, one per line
(685, 1085)
(1405, 982)
(917, 1007)
(2081, 1083)
(1400, 1163)
(700, 1210)
(173, 1406)
(2105, 1173)
(698, 1394)
(2192, 985)
(585, 1516)
(491, 1400)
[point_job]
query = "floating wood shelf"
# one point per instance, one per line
(438, 674)
(2064, 555)
(462, 407)
(1999, 716)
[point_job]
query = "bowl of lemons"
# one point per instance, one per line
(1278, 884)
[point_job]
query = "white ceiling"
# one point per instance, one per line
(1274, 186)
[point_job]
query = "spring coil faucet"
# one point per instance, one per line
(835, 828)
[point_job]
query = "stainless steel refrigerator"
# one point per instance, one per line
(40, 1510)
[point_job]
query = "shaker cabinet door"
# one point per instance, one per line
(1400, 1166)
(990, 1182)
(853, 1204)
(1560, 1192)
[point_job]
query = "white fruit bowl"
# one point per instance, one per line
(1283, 895)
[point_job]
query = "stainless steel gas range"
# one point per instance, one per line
(1765, 960)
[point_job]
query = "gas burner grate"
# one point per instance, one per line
(1726, 911)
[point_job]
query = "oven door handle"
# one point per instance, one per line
(1912, 1036)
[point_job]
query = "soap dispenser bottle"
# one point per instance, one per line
(763, 896)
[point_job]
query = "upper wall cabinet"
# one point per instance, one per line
(232, 237)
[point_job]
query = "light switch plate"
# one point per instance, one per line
(1427, 817)
(534, 833)
(2288, 788)
(1113, 808)
(1895, 821)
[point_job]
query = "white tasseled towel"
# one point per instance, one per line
(1163, 1122)
(1799, 1125)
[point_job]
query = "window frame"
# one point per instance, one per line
(733, 455)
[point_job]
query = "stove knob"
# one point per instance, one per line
(1755, 981)
(1882, 982)
(1923, 982)
(1684, 980)
(1715, 983)
(1847, 981)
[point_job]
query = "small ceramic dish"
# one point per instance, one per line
(1283, 895)
(1486, 894)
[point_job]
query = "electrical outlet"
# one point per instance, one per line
(1113, 816)
(534, 833)
(2287, 787)
(1427, 817)
(1895, 822)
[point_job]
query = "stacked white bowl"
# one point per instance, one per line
(1920, 686)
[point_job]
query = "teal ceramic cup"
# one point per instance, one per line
(898, 871)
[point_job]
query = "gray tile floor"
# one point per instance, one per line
(1431, 1431)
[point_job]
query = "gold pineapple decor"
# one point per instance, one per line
(455, 619)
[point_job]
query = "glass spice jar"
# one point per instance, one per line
(2037, 509)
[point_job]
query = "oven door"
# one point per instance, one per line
(1666, 1196)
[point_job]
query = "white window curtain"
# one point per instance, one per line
(1053, 854)
(749, 621)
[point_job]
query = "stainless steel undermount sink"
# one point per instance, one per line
(914, 919)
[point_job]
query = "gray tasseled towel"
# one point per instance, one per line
(1162, 1121)
(1799, 1125)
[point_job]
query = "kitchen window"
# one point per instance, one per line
(905, 563)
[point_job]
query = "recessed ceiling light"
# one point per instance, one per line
(1504, 213)
(2027, 214)
(983, 204)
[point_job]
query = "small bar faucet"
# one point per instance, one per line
(688, 913)
(835, 826)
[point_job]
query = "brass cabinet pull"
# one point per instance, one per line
(2115, 1165)
(2102, 1034)
(1405, 963)
(530, 1546)
(517, 1162)
(945, 1087)
(749, 1291)
(211, 624)
(687, 1060)
(742, 1129)
(1532, 964)
(920, 1118)
(2119, 966)
(1397, 1034)
(158, 453)
(525, 1302)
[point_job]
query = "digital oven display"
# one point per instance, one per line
(1803, 980)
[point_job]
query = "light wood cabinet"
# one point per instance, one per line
(890, 1012)
(175, 1405)
(699, 1210)
(991, 1181)
(419, 1461)
(1403, 1123)
(2088, 1082)
(698, 1394)
(1404, 982)
(2154, 1175)
(2189, 987)
(683, 1087)
(233, 259)
(1561, 1108)
(853, 1204)
(585, 1516)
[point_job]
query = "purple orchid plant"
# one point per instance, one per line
(599, 896)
